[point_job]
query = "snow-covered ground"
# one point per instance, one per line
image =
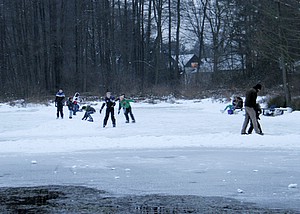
(185, 123)
(184, 147)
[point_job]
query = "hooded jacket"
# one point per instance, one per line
(251, 96)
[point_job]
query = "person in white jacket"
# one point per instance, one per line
(76, 101)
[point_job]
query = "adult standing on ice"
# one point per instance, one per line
(110, 103)
(59, 103)
(250, 105)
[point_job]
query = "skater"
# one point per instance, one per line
(88, 111)
(59, 103)
(110, 103)
(250, 104)
(125, 104)
(76, 101)
(258, 112)
(70, 105)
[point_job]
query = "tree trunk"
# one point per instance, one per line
(282, 62)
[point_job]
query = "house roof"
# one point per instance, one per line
(230, 64)
(184, 59)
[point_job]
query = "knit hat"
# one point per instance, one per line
(257, 87)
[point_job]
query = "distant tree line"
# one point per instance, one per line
(134, 45)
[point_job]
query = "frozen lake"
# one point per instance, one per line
(183, 148)
(262, 176)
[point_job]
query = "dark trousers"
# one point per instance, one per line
(128, 111)
(252, 127)
(110, 111)
(59, 110)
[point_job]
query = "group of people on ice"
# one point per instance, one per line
(72, 103)
(109, 101)
(252, 108)
(237, 104)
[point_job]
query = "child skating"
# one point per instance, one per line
(76, 100)
(88, 111)
(258, 112)
(70, 105)
(110, 103)
(125, 104)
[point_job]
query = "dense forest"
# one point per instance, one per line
(134, 46)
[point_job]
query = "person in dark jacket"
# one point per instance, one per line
(70, 105)
(59, 103)
(250, 114)
(258, 112)
(237, 103)
(110, 103)
(88, 111)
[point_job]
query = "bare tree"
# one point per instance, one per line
(177, 38)
(195, 13)
(127, 45)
